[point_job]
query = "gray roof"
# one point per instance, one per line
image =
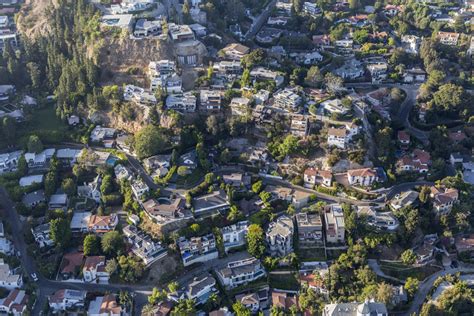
(199, 284)
(34, 197)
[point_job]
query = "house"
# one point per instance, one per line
(67, 156)
(240, 272)
(102, 224)
(284, 301)
(411, 44)
(362, 177)
(234, 236)
(122, 173)
(105, 305)
(403, 138)
(312, 275)
(100, 133)
(279, 236)
(198, 29)
(464, 243)
(443, 199)
(448, 38)
(210, 100)
(41, 235)
(11, 38)
(184, 102)
(457, 136)
(91, 190)
(201, 288)
(337, 137)
(378, 71)
(299, 125)
(424, 253)
(9, 161)
(180, 33)
(58, 201)
(94, 270)
(334, 223)
(211, 203)
(64, 299)
(158, 165)
(311, 9)
(382, 221)
(8, 279)
(355, 309)
(237, 180)
(264, 74)
(314, 177)
(288, 99)
(144, 28)
(143, 246)
(6, 90)
(189, 160)
(226, 67)
(197, 249)
(73, 120)
(40, 160)
(334, 106)
(392, 10)
(399, 296)
(15, 303)
(6, 246)
(321, 40)
(418, 161)
(4, 22)
(407, 198)
(310, 230)
(140, 189)
(352, 69)
(416, 75)
(235, 51)
(34, 198)
(164, 210)
(240, 106)
(71, 265)
(31, 180)
(250, 301)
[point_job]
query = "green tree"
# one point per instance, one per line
(131, 268)
(234, 214)
(408, 257)
(69, 187)
(314, 78)
(112, 243)
(257, 187)
(240, 309)
(411, 286)
(149, 141)
(9, 128)
(182, 171)
(34, 144)
(245, 80)
(256, 241)
(91, 245)
(60, 232)
(184, 307)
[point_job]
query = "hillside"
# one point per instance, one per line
(33, 17)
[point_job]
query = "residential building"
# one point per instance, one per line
(201, 288)
(144, 28)
(314, 177)
(250, 301)
(11, 38)
(279, 236)
(362, 177)
(311, 9)
(334, 223)
(321, 40)
(443, 199)
(41, 234)
(197, 249)
(15, 303)
(288, 99)
(240, 272)
(234, 236)
(30, 180)
(310, 230)
(64, 299)
(34, 198)
(418, 161)
(211, 203)
(140, 189)
(448, 38)
(161, 68)
(337, 137)
(6, 90)
(262, 74)
(382, 221)
(185, 102)
(404, 199)
(403, 138)
(100, 133)
(8, 279)
(240, 106)
(378, 71)
(102, 224)
(226, 67)
(189, 160)
(9, 161)
(80, 222)
(67, 156)
(40, 160)
(210, 99)
(237, 180)
(94, 270)
(105, 305)
(58, 201)
(464, 243)
(6, 246)
(299, 126)
(235, 51)
(312, 274)
(411, 44)
(122, 173)
(352, 69)
(334, 106)
(355, 309)
(71, 265)
(180, 33)
(164, 209)
(284, 301)
(143, 246)
(91, 190)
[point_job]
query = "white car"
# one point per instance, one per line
(34, 277)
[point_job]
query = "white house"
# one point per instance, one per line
(105, 306)
(198, 249)
(362, 177)
(139, 189)
(200, 289)
(234, 235)
(15, 303)
(240, 272)
(334, 106)
(314, 176)
(334, 223)
(8, 279)
(279, 236)
(65, 299)
(185, 102)
(94, 270)
(337, 137)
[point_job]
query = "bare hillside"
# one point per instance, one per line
(33, 17)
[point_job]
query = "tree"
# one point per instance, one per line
(112, 243)
(130, 268)
(91, 245)
(257, 187)
(182, 171)
(212, 125)
(424, 194)
(107, 185)
(9, 128)
(451, 98)
(245, 80)
(333, 83)
(411, 286)
(34, 144)
(240, 309)
(361, 36)
(314, 78)
(60, 232)
(234, 214)
(256, 241)
(408, 257)
(157, 296)
(184, 307)
(384, 293)
(149, 141)
(112, 266)
(195, 228)
(69, 187)
(173, 286)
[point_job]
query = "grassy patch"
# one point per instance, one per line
(190, 180)
(312, 254)
(401, 271)
(284, 281)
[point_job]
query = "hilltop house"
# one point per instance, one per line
(197, 249)
(240, 272)
(314, 176)
(279, 236)
(234, 235)
(362, 177)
